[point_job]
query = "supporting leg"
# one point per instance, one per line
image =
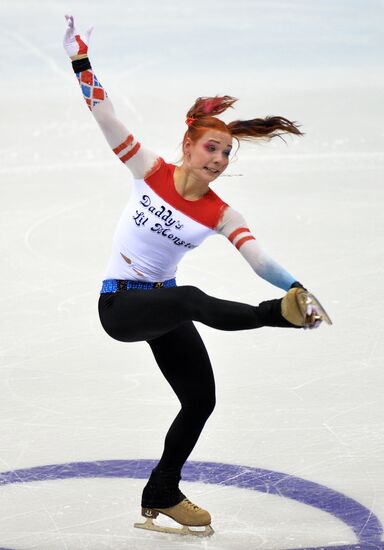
(183, 359)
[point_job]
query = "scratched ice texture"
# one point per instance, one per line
(292, 457)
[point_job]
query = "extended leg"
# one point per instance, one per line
(144, 315)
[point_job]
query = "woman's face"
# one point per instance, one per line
(209, 156)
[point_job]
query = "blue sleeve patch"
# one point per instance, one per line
(86, 90)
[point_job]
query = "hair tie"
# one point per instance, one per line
(190, 120)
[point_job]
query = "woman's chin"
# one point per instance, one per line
(210, 176)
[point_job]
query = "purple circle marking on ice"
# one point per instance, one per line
(365, 525)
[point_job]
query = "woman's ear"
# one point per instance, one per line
(187, 148)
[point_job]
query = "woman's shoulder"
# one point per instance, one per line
(160, 168)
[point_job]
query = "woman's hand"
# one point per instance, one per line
(75, 45)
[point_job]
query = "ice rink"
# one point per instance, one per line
(293, 455)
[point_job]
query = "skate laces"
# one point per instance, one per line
(188, 504)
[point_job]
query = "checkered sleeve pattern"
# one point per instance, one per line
(93, 91)
(138, 159)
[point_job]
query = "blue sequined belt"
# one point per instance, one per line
(116, 285)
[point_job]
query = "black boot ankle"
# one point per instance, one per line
(162, 489)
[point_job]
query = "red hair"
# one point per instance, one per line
(200, 118)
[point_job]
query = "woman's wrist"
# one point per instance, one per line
(296, 284)
(81, 64)
(79, 56)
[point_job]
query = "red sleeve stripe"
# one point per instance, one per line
(234, 234)
(130, 153)
(244, 240)
(123, 145)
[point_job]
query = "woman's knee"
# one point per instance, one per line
(210, 404)
(201, 406)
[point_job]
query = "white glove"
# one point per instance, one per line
(75, 45)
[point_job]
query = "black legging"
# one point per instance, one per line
(163, 317)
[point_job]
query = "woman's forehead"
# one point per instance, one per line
(223, 138)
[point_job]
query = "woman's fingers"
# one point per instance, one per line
(71, 23)
(70, 30)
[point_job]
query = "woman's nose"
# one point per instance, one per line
(220, 159)
(217, 158)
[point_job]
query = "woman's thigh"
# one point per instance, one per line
(138, 315)
(184, 361)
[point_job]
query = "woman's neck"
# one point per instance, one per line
(188, 185)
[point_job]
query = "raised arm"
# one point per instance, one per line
(234, 227)
(137, 158)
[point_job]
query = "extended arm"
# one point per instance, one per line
(137, 158)
(234, 227)
(299, 306)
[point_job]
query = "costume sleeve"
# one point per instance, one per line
(233, 226)
(137, 158)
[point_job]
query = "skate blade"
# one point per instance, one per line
(184, 530)
(308, 299)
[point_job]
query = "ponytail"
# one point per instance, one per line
(267, 128)
(201, 117)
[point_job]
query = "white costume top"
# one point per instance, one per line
(158, 226)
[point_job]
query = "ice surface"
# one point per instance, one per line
(308, 405)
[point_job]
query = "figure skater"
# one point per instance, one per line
(171, 211)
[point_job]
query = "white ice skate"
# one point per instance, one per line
(193, 520)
